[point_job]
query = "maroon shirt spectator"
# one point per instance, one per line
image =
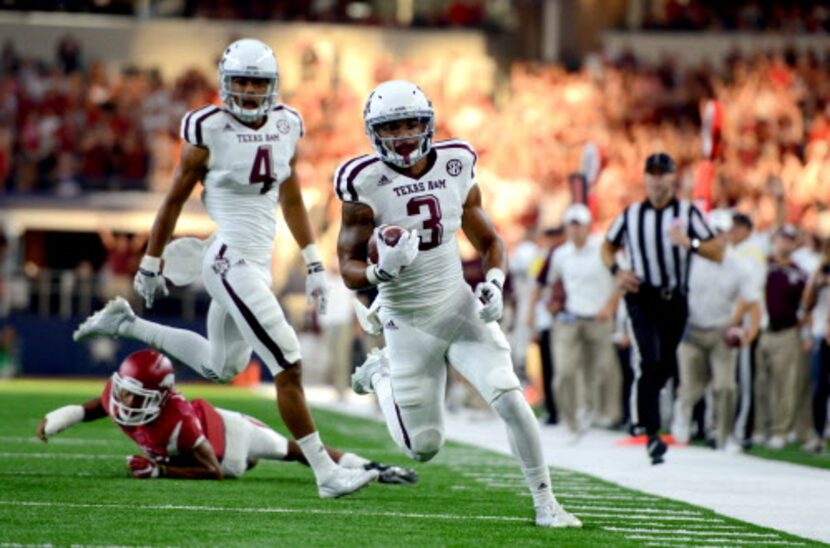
(785, 285)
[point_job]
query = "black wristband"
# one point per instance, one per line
(614, 268)
(316, 266)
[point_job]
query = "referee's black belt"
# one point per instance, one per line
(665, 293)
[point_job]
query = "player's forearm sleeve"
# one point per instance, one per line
(62, 418)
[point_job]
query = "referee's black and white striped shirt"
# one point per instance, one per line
(644, 233)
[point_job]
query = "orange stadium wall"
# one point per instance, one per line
(174, 45)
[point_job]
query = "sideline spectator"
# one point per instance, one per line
(587, 381)
(720, 296)
(780, 345)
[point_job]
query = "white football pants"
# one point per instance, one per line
(246, 441)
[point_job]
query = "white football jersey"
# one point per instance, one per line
(244, 172)
(432, 204)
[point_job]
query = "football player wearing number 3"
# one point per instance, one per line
(244, 156)
(428, 313)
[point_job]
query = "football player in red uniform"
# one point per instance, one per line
(184, 439)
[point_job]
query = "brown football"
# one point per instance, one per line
(390, 234)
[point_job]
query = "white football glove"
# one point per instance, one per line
(148, 281)
(391, 259)
(317, 286)
(489, 293)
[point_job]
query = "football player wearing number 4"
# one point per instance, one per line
(428, 313)
(244, 156)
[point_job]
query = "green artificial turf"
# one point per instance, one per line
(75, 491)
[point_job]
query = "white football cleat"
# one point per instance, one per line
(106, 321)
(553, 515)
(362, 376)
(343, 481)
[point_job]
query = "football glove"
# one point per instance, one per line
(317, 286)
(391, 259)
(142, 467)
(489, 294)
(148, 281)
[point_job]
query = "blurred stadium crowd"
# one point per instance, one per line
(68, 127)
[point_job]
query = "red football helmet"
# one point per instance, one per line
(140, 387)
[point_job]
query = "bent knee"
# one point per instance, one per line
(234, 468)
(426, 444)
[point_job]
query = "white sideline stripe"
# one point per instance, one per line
(266, 510)
(89, 456)
(568, 494)
(650, 517)
(55, 441)
(635, 510)
(691, 532)
(725, 540)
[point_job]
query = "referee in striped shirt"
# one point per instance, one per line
(660, 235)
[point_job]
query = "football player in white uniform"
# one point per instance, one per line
(244, 155)
(428, 313)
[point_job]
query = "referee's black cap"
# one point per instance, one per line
(659, 163)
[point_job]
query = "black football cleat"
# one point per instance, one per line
(393, 474)
(656, 449)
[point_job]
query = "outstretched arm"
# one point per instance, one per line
(191, 169)
(294, 211)
(352, 243)
(68, 416)
(148, 281)
(296, 217)
(480, 231)
(199, 463)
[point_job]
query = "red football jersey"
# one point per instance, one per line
(180, 426)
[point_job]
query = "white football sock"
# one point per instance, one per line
(523, 433)
(182, 345)
(316, 455)
(350, 460)
(382, 385)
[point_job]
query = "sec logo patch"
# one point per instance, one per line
(454, 167)
(283, 126)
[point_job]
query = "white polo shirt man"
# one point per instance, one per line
(720, 294)
(587, 381)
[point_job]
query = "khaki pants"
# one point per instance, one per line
(704, 357)
(779, 354)
(338, 340)
(803, 412)
(587, 377)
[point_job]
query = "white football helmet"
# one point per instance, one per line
(252, 59)
(399, 100)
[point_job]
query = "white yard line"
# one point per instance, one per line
(82, 456)
(767, 493)
(747, 534)
(255, 510)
